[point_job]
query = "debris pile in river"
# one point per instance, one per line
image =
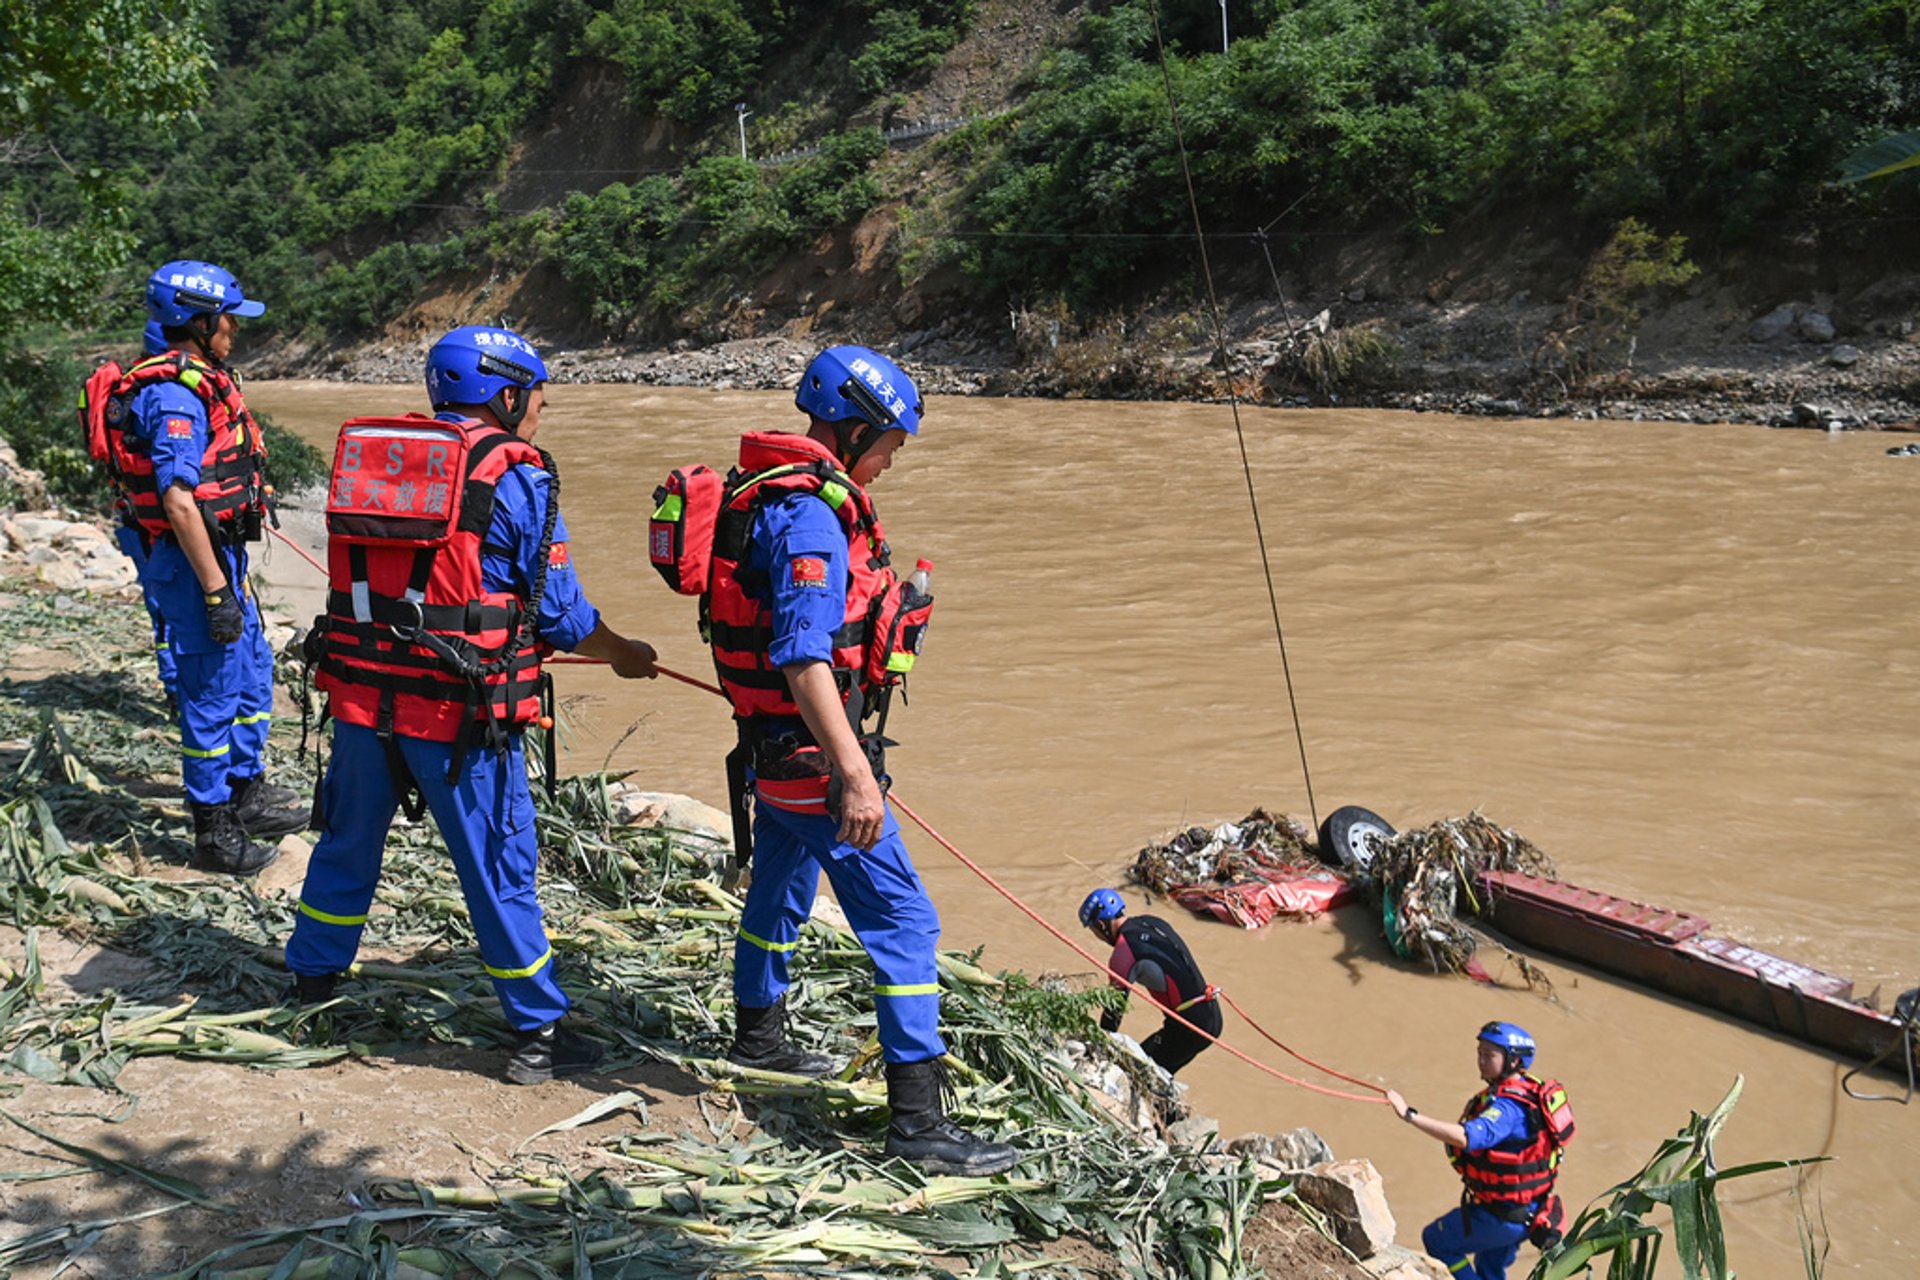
(1243, 872)
(1250, 871)
(1230, 853)
(1423, 879)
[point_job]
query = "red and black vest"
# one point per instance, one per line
(414, 643)
(1516, 1175)
(884, 621)
(1151, 938)
(232, 470)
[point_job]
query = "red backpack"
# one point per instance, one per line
(99, 409)
(680, 535)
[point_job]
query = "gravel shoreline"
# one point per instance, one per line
(1872, 384)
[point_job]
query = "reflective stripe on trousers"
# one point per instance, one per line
(486, 820)
(884, 902)
(226, 710)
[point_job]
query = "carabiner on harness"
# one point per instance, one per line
(410, 634)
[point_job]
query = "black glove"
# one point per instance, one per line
(1110, 1021)
(226, 616)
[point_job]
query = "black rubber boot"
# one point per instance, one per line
(550, 1051)
(220, 843)
(314, 988)
(267, 810)
(921, 1132)
(760, 1040)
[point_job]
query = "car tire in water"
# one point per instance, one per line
(1343, 838)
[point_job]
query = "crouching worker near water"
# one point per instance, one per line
(449, 570)
(810, 631)
(1147, 951)
(189, 461)
(1506, 1147)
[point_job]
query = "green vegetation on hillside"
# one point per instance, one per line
(67, 221)
(337, 157)
(343, 156)
(1722, 113)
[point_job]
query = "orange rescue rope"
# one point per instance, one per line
(297, 548)
(1097, 962)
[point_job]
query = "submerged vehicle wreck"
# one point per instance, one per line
(1428, 883)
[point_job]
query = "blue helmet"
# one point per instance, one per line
(181, 290)
(1102, 904)
(853, 384)
(152, 341)
(473, 364)
(1511, 1040)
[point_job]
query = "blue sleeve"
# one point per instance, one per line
(509, 560)
(172, 423)
(1504, 1120)
(798, 543)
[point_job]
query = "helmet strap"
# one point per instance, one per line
(203, 325)
(851, 451)
(510, 416)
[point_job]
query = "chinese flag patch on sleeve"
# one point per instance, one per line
(557, 557)
(809, 571)
(180, 428)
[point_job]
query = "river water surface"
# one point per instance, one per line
(1684, 660)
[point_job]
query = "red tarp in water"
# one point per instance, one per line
(1254, 903)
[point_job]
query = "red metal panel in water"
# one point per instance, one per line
(1634, 917)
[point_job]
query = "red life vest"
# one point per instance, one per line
(884, 621)
(412, 641)
(1511, 1179)
(232, 488)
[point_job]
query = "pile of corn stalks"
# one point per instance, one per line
(641, 930)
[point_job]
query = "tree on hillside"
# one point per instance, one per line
(122, 62)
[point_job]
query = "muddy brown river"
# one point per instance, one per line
(1684, 660)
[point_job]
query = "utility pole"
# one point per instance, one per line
(1223, 27)
(741, 107)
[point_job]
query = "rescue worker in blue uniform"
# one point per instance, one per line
(137, 547)
(473, 782)
(196, 574)
(861, 409)
(1501, 1149)
(1147, 951)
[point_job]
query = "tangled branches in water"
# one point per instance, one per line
(1424, 877)
(1253, 848)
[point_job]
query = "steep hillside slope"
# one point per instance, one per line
(1503, 305)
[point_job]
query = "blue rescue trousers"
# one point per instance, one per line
(225, 690)
(884, 901)
(133, 544)
(486, 820)
(1492, 1242)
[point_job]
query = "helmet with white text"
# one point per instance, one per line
(181, 290)
(849, 385)
(475, 364)
(1510, 1040)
